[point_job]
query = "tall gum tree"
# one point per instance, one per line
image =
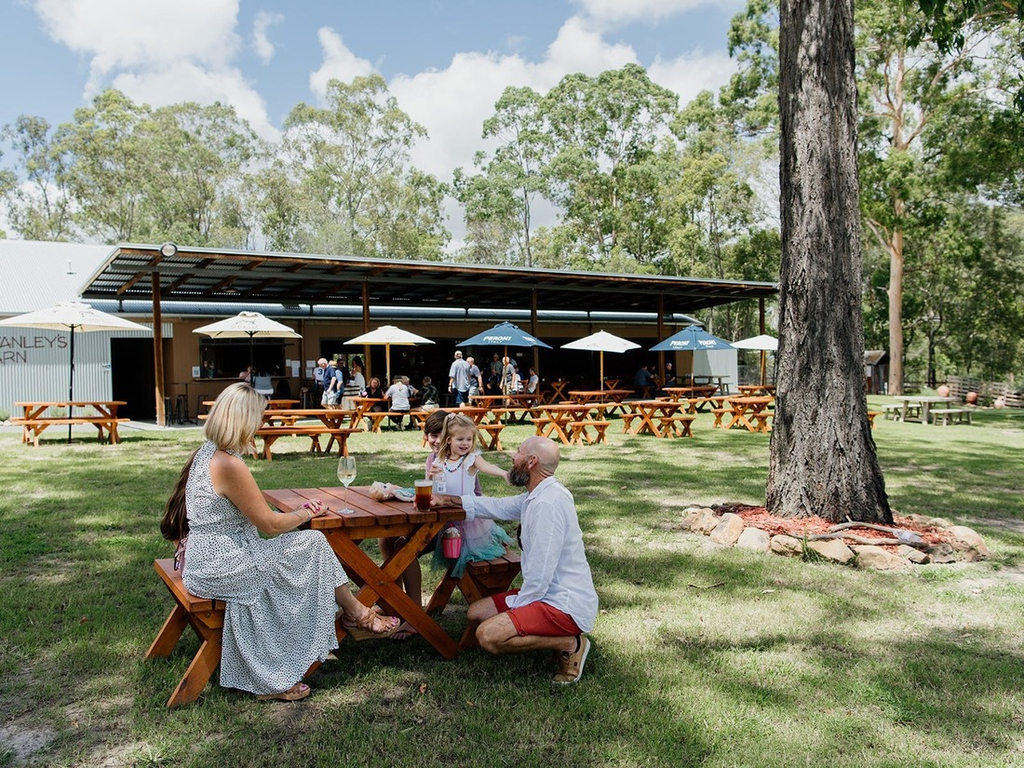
(823, 459)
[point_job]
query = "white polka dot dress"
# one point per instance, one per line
(279, 592)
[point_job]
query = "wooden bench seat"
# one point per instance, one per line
(479, 580)
(206, 617)
(951, 415)
(720, 413)
(579, 431)
(377, 417)
(271, 433)
(31, 428)
(492, 431)
(677, 425)
(892, 411)
(627, 420)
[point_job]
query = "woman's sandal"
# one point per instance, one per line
(371, 626)
(404, 632)
(297, 692)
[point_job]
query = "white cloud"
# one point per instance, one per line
(260, 41)
(186, 81)
(692, 73)
(339, 63)
(608, 13)
(159, 53)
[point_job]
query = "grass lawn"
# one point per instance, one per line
(783, 663)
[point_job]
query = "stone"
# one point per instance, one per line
(942, 553)
(975, 554)
(876, 558)
(913, 555)
(690, 519)
(754, 539)
(707, 522)
(832, 549)
(728, 530)
(781, 544)
(940, 522)
(967, 535)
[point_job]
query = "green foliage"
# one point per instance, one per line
(347, 165)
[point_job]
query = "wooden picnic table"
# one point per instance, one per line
(925, 402)
(680, 393)
(518, 399)
(611, 397)
(572, 422)
(756, 390)
(742, 407)
(699, 404)
(647, 412)
(281, 404)
(556, 393)
(372, 520)
(34, 420)
(612, 383)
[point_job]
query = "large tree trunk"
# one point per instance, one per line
(823, 458)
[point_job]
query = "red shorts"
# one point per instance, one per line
(537, 618)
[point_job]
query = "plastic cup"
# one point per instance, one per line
(424, 489)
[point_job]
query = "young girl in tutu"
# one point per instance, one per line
(455, 471)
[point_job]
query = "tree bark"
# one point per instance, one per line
(823, 459)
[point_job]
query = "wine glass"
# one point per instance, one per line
(346, 474)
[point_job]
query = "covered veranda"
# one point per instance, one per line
(310, 287)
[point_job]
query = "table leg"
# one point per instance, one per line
(380, 583)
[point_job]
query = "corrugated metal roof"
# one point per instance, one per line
(39, 274)
(209, 274)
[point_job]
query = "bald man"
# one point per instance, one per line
(557, 603)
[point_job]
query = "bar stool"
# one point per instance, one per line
(181, 409)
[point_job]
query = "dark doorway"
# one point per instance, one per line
(132, 378)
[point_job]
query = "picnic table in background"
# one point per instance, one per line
(679, 393)
(281, 404)
(35, 419)
(925, 402)
(612, 383)
(756, 390)
(371, 519)
(611, 397)
(572, 422)
(698, 404)
(555, 393)
(670, 423)
(755, 408)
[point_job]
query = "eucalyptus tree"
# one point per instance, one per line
(199, 156)
(348, 162)
(823, 460)
(110, 171)
(39, 206)
(605, 134)
(500, 198)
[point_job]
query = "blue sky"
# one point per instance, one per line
(446, 61)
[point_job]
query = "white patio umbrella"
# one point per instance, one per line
(389, 335)
(764, 343)
(602, 342)
(248, 324)
(72, 316)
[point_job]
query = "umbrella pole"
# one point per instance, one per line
(71, 383)
(252, 373)
(764, 366)
(601, 370)
(387, 366)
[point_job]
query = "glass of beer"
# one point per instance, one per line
(424, 488)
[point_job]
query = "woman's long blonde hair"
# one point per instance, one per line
(452, 422)
(234, 418)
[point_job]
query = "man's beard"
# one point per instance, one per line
(518, 477)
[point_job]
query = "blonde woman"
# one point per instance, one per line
(281, 592)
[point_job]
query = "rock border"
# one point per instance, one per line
(728, 529)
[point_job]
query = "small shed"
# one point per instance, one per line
(876, 371)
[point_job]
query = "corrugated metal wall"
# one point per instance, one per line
(34, 364)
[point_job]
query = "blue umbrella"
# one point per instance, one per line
(692, 338)
(504, 334)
